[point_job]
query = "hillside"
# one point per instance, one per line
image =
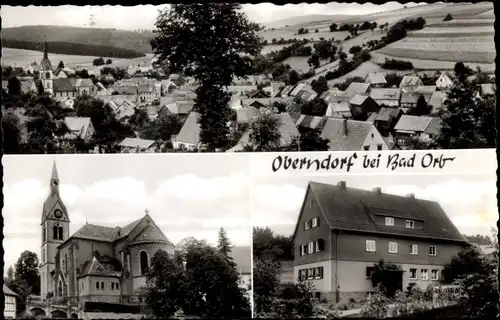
(306, 19)
(131, 40)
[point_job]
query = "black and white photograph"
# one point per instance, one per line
(127, 237)
(375, 246)
(222, 77)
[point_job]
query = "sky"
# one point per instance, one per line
(144, 16)
(182, 196)
(468, 200)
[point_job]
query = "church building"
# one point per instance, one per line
(96, 263)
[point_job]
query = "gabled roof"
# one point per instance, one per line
(386, 114)
(358, 99)
(418, 124)
(287, 90)
(352, 209)
(409, 97)
(84, 83)
(136, 143)
(94, 268)
(488, 88)
(184, 107)
(63, 85)
(426, 89)
(145, 88)
(335, 131)
(264, 101)
(410, 81)
(311, 122)
(385, 94)
(340, 106)
(376, 78)
(8, 292)
(190, 131)
(357, 88)
(79, 125)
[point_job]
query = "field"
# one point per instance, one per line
(291, 33)
(362, 71)
(298, 64)
(22, 58)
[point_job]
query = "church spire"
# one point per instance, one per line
(54, 176)
(45, 52)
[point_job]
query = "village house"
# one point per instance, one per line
(437, 101)
(96, 263)
(342, 232)
(352, 135)
(376, 79)
(167, 86)
(189, 135)
(275, 88)
(287, 90)
(180, 108)
(136, 145)
(241, 90)
(422, 128)
(410, 83)
(338, 109)
(10, 297)
(386, 119)
(286, 127)
(361, 106)
(355, 88)
(302, 88)
(445, 81)
(487, 89)
(331, 94)
(389, 97)
(311, 122)
(80, 127)
(146, 94)
(409, 100)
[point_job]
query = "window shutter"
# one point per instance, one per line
(306, 271)
(321, 272)
(315, 246)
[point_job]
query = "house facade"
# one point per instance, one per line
(341, 233)
(9, 311)
(444, 82)
(352, 135)
(96, 263)
(422, 128)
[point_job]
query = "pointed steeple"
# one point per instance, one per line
(54, 176)
(45, 49)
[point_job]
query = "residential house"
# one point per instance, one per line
(235, 102)
(5, 86)
(410, 83)
(361, 106)
(276, 87)
(146, 94)
(445, 81)
(264, 102)
(302, 88)
(426, 90)
(342, 232)
(189, 135)
(241, 90)
(355, 88)
(80, 127)
(245, 115)
(409, 100)
(437, 101)
(352, 135)
(287, 90)
(60, 73)
(310, 122)
(422, 128)
(125, 89)
(9, 311)
(167, 86)
(306, 94)
(487, 89)
(84, 86)
(389, 97)
(136, 145)
(331, 94)
(338, 109)
(376, 79)
(26, 86)
(386, 119)
(68, 103)
(286, 127)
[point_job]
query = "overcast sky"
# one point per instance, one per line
(144, 16)
(469, 200)
(186, 195)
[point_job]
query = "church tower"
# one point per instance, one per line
(46, 72)
(55, 230)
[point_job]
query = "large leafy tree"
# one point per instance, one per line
(213, 43)
(11, 132)
(14, 86)
(310, 140)
(26, 269)
(264, 134)
(162, 128)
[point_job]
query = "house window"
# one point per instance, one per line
(393, 247)
(389, 221)
(97, 285)
(379, 147)
(307, 225)
(311, 273)
(373, 135)
(320, 245)
(302, 250)
(117, 285)
(143, 257)
(311, 203)
(413, 274)
(310, 247)
(370, 245)
(318, 273)
(102, 285)
(425, 274)
(432, 250)
(413, 249)
(368, 272)
(434, 274)
(410, 224)
(314, 222)
(112, 286)
(366, 148)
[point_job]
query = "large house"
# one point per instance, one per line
(352, 135)
(79, 127)
(422, 128)
(189, 136)
(389, 97)
(342, 232)
(9, 311)
(96, 263)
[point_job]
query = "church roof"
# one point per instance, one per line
(53, 198)
(45, 64)
(95, 268)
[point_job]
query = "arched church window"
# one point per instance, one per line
(44, 235)
(66, 262)
(102, 285)
(60, 232)
(97, 285)
(54, 232)
(47, 75)
(60, 289)
(143, 257)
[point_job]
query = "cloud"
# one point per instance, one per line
(185, 205)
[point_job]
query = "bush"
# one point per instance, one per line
(395, 64)
(355, 49)
(448, 17)
(376, 306)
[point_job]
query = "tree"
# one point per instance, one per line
(266, 280)
(11, 133)
(139, 119)
(27, 269)
(264, 133)
(320, 85)
(316, 107)
(422, 108)
(98, 61)
(373, 26)
(466, 120)
(213, 43)
(267, 245)
(355, 49)
(165, 285)
(293, 77)
(467, 261)
(310, 140)
(39, 88)
(60, 65)
(462, 71)
(448, 17)
(224, 245)
(14, 86)
(109, 61)
(333, 27)
(313, 61)
(162, 128)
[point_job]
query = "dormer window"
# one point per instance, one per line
(410, 224)
(389, 221)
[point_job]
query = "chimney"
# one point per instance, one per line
(411, 195)
(345, 126)
(377, 190)
(341, 184)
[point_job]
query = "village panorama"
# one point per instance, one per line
(398, 77)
